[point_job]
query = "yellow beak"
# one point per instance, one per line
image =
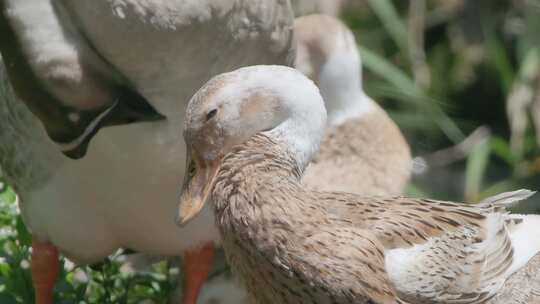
(198, 184)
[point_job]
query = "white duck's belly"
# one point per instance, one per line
(122, 194)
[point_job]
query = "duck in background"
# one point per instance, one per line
(251, 133)
(306, 7)
(92, 145)
(363, 150)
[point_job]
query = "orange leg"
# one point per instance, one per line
(45, 267)
(197, 265)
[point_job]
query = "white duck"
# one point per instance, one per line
(83, 65)
(363, 149)
(305, 7)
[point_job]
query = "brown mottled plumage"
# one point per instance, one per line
(522, 286)
(290, 244)
(269, 222)
(278, 235)
(353, 160)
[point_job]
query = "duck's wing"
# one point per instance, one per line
(61, 78)
(342, 265)
(404, 222)
(467, 265)
(438, 251)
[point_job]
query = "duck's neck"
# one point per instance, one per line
(259, 206)
(257, 179)
(348, 105)
(258, 161)
(340, 83)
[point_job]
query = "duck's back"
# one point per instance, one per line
(367, 155)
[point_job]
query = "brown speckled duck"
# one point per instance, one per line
(363, 149)
(250, 134)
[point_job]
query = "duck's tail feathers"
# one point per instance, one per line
(506, 199)
(525, 238)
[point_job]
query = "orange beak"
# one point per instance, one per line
(198, 184)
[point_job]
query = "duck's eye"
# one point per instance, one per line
(211, 114)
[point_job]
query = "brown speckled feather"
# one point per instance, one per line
(261, 246)
(291, 245)
(466, 250)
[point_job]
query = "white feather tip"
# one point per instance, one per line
(507, 199)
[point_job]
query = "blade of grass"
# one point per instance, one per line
(501, 148)
(475, 170)
(407, 89)
(397, 29)
(380, 66)
(499, 60)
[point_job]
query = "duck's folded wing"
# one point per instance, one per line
(467, 265)
(403, 222)
(342, 265)
(438, 251)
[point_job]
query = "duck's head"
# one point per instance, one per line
(231, 108)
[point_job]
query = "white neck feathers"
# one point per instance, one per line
(280, 101)
(340, 83)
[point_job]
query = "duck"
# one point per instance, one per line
(306, 7)
(362, 149)
(101, 89)
(250, 135)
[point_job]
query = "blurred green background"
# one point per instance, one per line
(460, 77)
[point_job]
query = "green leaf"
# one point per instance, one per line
(8, 196)
(22, 233)
(389, 72)
(500, 60)
(501, 148)
(387, 13)
(475, 170)
(406, 89)
(7, 299)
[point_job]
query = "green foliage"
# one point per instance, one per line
(14, 275)
(475, 170)
(477, 53)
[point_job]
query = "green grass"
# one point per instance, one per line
(474, 64)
